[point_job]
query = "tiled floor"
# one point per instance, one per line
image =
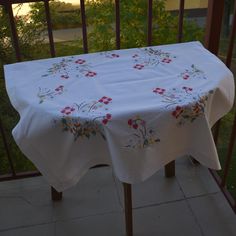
(189, 204)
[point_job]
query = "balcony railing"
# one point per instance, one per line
(212, 42)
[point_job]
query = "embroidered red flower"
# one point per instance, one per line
(178, 111)
(166, 60)
(135, 126)
(64, 77)
(91, 74)
(130, 122)
(115, 55)
(185, 76)
(59, 88)
(187, 89)
(80, 61)
(105, 100)
(139, 66)
(108, 116)
(104, 121)
(67, 110)
(159, 90)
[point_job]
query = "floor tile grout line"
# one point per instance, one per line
(25, 226)
(59, 221)
(173, 201)
(190, 208)
(85, 217)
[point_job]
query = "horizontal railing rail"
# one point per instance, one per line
(212, 41)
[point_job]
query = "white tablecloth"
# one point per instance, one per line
(134, 109)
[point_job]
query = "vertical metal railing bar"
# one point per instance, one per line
(233, 131)
(231, 41)
(7, 149)
(117, 10)
(213, 25)
(224, 190)
(181, 21)
(84, 27)
(15, 39)
(149, 26)
(229, 153)
(212, 39)
(49, 27)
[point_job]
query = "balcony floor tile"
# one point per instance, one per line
(188, 204)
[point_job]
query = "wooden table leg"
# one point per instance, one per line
(56, 196)
(128, 209)
(170, 169)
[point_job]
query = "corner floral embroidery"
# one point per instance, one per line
(193, 73)
(175, 96)
(66, 66)
(192, 112)
(72, 122)
(46, 93)
(110, 54)
(188, 105)
(142, 135)
(150, 57)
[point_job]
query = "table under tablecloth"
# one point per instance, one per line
(135, 109)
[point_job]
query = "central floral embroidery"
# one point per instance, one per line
(110, 54)
(150, 57)
(46, 93)
(72, 118)
(193, 73)
(64, 69)
(188, 105)
(142, 136)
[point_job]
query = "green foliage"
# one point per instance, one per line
(29, 36)
(63, 15)
(101, 18)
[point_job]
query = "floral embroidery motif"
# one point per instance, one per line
(188, 105)
(86, 127)
(45, 93)
(193, 73)
(149, 57)
(192, 112)
(142, 136)
(110, 54)
(62, 68)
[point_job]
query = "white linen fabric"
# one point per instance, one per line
(135, 109)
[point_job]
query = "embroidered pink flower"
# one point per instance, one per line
(139, 66)
(105, 100)
(187, 89)
(67, 110)
(185, 76)
(64, 77)
(80, 61)
(115, 55)
(91, 74)
(159, 90)
(59, 88)
(166, 60)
